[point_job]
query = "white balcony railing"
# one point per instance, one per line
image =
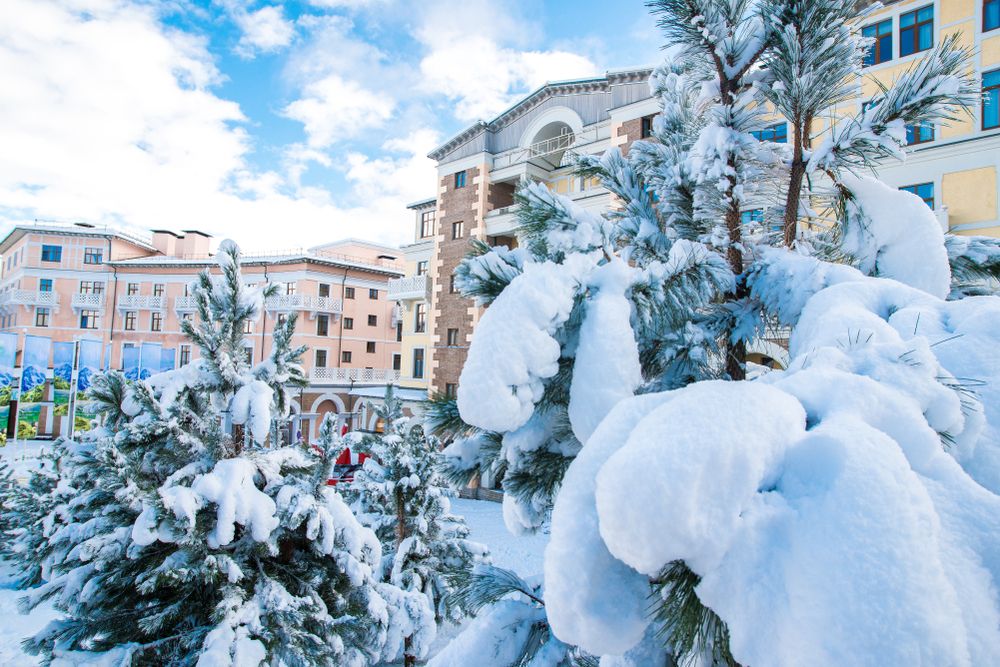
(311, 304)
(89, 300)
(358, 375)
(140, 302)
(28, 297)
(412, 287)
(185, 304)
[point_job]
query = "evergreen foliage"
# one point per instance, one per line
(400, 494)
(178, 536)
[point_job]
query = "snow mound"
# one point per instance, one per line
(843, 511)
(518, 328)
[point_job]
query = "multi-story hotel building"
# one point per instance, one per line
(953, 168)
(70, 282)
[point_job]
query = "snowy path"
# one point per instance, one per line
(485, 520)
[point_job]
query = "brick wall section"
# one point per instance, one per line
(631, 130)
(501, 194)
(452, 311)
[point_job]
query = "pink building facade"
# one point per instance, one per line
(73, 282)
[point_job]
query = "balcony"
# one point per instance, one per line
(354, 375)
(88, 301)
(27, 298)
(413, 287)
(286, 303)
(185, 304)
(501, 221)
(140, 302)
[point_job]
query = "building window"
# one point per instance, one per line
(451, 284)
(91, 287)
(426, 224)
(991, 99)
(754, 216)
(345, 357)
(247, 326)
(418, 363)
(320, 359)
(156, 322)
(248, 355)
(45, 285)
(420, 318)
(185, 316)
(646, 130)
(373, 320)
(348, 292)
(282, 318)
(916, 30)
(184, 356)
(51, 253)
(459, 179)
(399, 331)
(457, 230)
(41, 317)
(991, 15)
(289, 288)
(397, 361)
(923, 190)
(158, 289)
(370, 347)
(132, 289)
(324, 289)
(130, 321)
(452, 337)
(422, 267)
(919, 134)
(323, 325)
(450, 390)
(88, 319)
(777, 133)
(93, 255)
(881, 49)
(348, 322)
(373, 294)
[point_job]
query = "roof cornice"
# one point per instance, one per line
(533, 99)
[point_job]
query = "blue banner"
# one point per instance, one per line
(167, 359)
(130, 362)
(62, 376)
(149, 359)
(34, 371)
(89, 365)
(8, 357)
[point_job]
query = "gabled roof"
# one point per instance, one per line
(525, 104)
(72, 229)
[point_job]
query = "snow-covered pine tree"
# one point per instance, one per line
(182, 544)
(736, 62)
(400, 494)
(23, 525)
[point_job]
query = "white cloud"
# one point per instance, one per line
(478, 57)
(108, 116)
(334, 108)
(265, 30)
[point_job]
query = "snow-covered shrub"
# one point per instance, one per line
(400, 494)
(173, 541)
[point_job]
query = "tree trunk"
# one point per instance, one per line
(409, 660)
(736, 354)
(801, 131)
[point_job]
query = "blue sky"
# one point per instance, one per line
(279, 124)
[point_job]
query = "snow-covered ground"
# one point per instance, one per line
(485, 520)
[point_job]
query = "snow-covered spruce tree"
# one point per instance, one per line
(696, 549)
(182, 544)
(400, 494)
(23, 520)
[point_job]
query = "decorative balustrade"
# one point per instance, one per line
(185, 304)
(357, 375)
(140, 302)
(284, 303)
(412, 287)
(89, 300)
(27, 298)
